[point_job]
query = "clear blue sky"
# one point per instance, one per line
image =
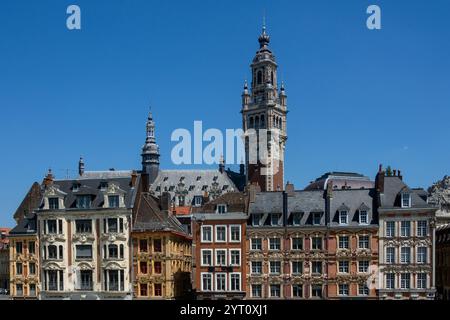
(356, 97)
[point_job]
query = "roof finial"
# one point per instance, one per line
(264, 21)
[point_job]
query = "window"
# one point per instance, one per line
(343, 289)
(343, 266)
(405, 280)
(221, 233)
(405, 255)
(143, 267)
(406, 200)
(275, 267)
(275, 290)
(275, 244)
(84, 202)
(235, 233)
(256, 219)
(343, 217)
(143, 289)
(113, 280)
(221, 281)
(256, 243)
(422, 228)
(51, 227)
(75, 187)
(297, 267)
(158, 289)
(422, 255)
(297, 243)
(206, 281)
(390, 280)
(18, 247)
(206, 233)
(363, 290)
(297, 291)
(53, 203)
(221, 257)
(390, 229)
(405, 228)
(296, 218)
(143, 245)
(31, 247)
(32, 268)
(390, 255)
(316, 218)
(83, 226)
(256, 291)
(86, 280)
(316, 243)
(113, 252)
(421, 281)
(52, 280)
(256, 267)
(121, 247)
(317, 267)
(316, 291)
(19, 268)
(235, 282)
(363, 242)
(158, 267)
(32, 290)
(157, 245)
(103, 185)
(112, 225)
(206, 257)
(343, 242)
(363, 217)
(221, 208)
(52, 252)
(235, 257)
(275, 219)
(60, 252)
(83, 251)
(197, 199)
(113, 201)
(363, 266)
(19, 289)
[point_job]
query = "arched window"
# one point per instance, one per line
(259, 81)
(263, 125)
(251, 122)
(256, 122)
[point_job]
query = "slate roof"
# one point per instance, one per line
(350, 180)
(235, 202)
(353, 201)
(148, 216)
(193, 183)
(25, 226)
(391, 195)
(105, 175)
(31, 201)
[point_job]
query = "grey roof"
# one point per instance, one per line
(353, 201)
(93, 187)
(25, 226)
(105, 175)
(391, 195)
(169, 180)
(347, 180)
(299, 201)
(220, 216)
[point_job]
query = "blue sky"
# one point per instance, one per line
(356, 97)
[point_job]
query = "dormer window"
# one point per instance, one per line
(198, 178)
(84, 202)
(53, 203)
(343, 217)
(75, 187)
(221, 208)
(165, 178)
(113, 201)
(406, 200)
(363, 217)
(225, 187)
(316, 218)
(204, 187)
(296, 217)
(191, 188)
(275, 219)
(171, 188)
(256, 219)
(103, 186)
(198, 201)
(158, 188)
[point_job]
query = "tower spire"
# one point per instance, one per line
(150, 150)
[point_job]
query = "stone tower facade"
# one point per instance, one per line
(150, 152)
(264, 111)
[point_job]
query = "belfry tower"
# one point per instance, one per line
(150, 151)
(264, 113)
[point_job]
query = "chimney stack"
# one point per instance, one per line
(81, 167)
(48, 180)
(379, 180)
(165, 202)
(290, 189)
(133, 178)
(400, 175)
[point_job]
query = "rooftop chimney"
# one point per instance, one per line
(48, 180)
(165, 202)
(81, 166)
(133, 178)
(395, 172)
(400, 175)
(290, 189)
(379, 179)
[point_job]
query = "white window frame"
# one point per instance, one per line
(278, 221)
(404, 194)
(321, 242)
(292, 290)
(231, 274)
(341, 212)
(259, 215)
(292, 267)
(270, 241)
(402, 261)
(368, 241)
(221, 205)
(426, 255)
(216, 281)
(230, 259)
(426, 280)
(211, 279)
(366, 215)
(216, 233)
(348, 266)
(386, 280)
(292, 243)
(368, 266)
(261, 290)
(387, 255)
(348, 242)
(251, 244)
(363, 286)
(229, 230)
(344, 294)
(251, 267)
(270, 291)
(202, 233)
(294, 214)
(270, 267)
(216, 251)
(409, 228)
(419, 234)
(387, 228)
(212, 258)
(401, 280)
